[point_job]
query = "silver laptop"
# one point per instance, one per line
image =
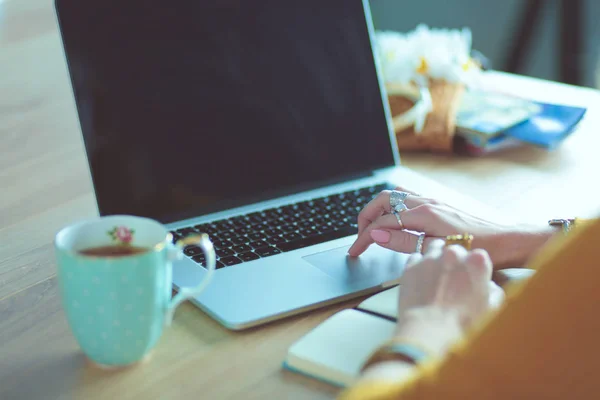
(264, 124)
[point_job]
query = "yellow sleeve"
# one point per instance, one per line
(543, 344)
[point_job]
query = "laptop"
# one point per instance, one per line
(264, 124)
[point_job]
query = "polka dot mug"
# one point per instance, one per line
(115, 281)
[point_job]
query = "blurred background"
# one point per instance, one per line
(550, 39)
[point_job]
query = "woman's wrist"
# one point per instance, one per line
(392, 371)
(433, 328)
(514, 247)
(430, 328)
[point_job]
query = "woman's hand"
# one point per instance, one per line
(508, 246)
(443, 293)
(450, 279)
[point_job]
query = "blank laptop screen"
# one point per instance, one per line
(194, 106)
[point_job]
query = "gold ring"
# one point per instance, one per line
(463, 240)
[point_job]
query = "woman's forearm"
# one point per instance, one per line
(514, 247)
(516, 352)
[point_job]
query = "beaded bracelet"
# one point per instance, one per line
(397, 350)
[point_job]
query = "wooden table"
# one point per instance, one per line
(44, 185)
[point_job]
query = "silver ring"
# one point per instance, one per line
(397, 200)
(397, 215)
(420, 240)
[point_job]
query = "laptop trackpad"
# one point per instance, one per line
(374, 266)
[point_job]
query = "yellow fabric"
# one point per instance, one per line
(543, 344)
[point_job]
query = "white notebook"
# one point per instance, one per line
(383, 303)
(336, 349)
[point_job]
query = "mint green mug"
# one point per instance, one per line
(118, 303)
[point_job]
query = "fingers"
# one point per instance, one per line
(374, 209)
(413, 259)
(454, 254)
(496, 296)
(414, 219)
(480, 264)
(402, 189)
(400, 241)
(416, 199)
(385, 224)
(386, 232)
(434, 248)
(380, 205)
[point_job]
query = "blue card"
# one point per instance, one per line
(548, 127)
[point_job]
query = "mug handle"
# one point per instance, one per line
(186, 293)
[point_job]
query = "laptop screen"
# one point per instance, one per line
(190, 107)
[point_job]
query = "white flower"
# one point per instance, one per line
(396, 58)
(424, 54)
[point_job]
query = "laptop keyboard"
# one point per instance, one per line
(276, 230)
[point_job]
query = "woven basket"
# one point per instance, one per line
(440, 125)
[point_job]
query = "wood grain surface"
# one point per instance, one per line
(45, 185)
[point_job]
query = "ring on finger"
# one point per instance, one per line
(410, 192)
(397, 200)
(397, 215)
(420, 240)
(465, 240)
